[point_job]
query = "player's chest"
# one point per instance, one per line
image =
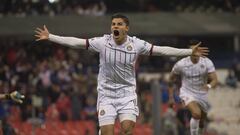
(195, 70)
(126, 54)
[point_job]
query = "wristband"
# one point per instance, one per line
(209, 86)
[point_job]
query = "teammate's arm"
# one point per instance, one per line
(43, 34)
(171, 51)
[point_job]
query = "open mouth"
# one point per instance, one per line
(116, 33)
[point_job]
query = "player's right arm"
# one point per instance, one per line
(171, 87)
(173, 77)
(171, 81)
(43, 34)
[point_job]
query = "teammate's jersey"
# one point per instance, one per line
(194, 76)
(116, 76)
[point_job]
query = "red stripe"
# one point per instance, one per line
(87, 44)
(151, 50)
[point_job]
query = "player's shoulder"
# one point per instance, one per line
(181, 63)
(205, 59)
(104, 38)
(134, 39)
(183, 60)
(107, 37)
(139, 43)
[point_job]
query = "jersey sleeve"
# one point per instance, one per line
(210, 66)
(176, 69)
(95, 44)
(143, 47)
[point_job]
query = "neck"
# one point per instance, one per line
(194, 59)
(120, 40)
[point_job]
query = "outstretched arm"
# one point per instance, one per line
(171, 51)
(43, 34)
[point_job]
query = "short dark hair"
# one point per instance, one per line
(125, 18)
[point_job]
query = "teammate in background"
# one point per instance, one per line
(197, 77)
(116, 79)
(15, 96)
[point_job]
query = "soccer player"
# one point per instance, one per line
(197, 77)
(15, 96)
(116, 79)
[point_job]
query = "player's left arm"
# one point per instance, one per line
(213, 81)
(171, 51)
(149, 49)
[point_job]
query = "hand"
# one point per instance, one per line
(42, 34)
(205, 87)
(199, 51)
(17, 97)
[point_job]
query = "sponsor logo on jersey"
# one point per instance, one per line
(129, 48)
(102, 112)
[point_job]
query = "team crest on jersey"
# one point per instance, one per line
(129, 48)
(202, 66)
(102, 112)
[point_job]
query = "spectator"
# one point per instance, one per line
(231, 80)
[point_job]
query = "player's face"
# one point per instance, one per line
(119, 29)
(195, 59)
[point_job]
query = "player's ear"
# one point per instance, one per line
(127, 28)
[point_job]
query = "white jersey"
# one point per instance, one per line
(193, 76)
(116, 76)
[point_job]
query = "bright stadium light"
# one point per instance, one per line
(52, 1)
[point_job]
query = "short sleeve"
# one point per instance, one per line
(210, 66)
(144, 48)
(95, 44)
(176, 68)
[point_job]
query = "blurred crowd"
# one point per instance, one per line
(57, 84)
(195, 6)
(22, 8)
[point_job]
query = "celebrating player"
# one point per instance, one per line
(197, 77)
(116, 79)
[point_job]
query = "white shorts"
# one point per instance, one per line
(201, 99)
(123, 108)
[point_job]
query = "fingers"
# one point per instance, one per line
(203, 51)
(41, 34)
(38, 32)
(39, 29)
(38, 36)
(198, 44)
(45, 28)
(204, 55)
(203, 48)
